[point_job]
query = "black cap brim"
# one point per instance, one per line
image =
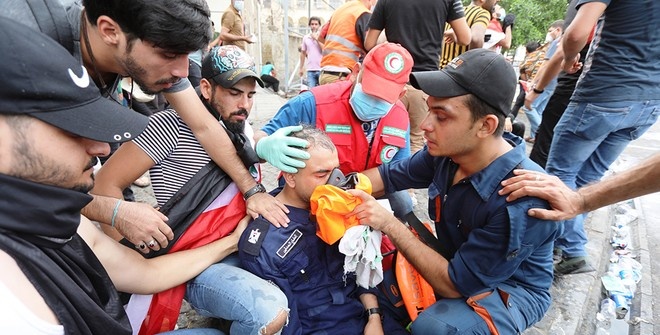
(230, 78)
(437, 84)
(100, 120)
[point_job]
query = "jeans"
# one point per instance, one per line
(194, 331)
(551, 115)
(226, 291)
(313, 78)
(400, 202)
(588, 138)
(534, 114)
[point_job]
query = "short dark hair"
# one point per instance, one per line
(179, 26)
(314, 18)
(558, 24)
(315, 137)
(479, 108)
(531, 46)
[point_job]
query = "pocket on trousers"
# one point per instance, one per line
(598, 121)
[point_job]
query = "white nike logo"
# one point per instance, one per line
(82, 81)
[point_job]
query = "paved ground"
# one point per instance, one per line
(575, 297)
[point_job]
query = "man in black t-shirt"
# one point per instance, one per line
(396, 18)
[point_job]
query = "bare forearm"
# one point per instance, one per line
(178, 267)
(549, 70)
(100, 208)
(431, 265)
(633, 183)
(212, 136)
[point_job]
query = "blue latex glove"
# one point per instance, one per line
(282, 151)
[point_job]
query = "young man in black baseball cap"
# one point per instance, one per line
(496, 273)
(59, 272)
(148, 41)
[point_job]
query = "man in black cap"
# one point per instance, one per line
(174, 158)
(493, 270)
(59, 272)
(148, 41)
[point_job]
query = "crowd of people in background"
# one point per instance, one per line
(389, 107)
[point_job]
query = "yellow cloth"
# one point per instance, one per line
(330, 204)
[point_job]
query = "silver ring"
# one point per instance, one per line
(152, 244)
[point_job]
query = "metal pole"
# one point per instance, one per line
(286, 44)
(260, 60)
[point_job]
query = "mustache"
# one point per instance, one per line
(91, 164)
(241, 111)
(171, 80)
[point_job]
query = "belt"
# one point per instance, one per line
(338, 74)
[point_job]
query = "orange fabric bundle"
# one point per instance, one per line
(330, 204)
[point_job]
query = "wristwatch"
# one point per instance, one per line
(259, 188)
(372, 311)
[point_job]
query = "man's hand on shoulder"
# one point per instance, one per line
(269, 207)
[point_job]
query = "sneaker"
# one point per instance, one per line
(572, 265)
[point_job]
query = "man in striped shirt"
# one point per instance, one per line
(477, 15)
(172, 154)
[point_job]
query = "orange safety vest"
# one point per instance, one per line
(335, 116)
(343, 46)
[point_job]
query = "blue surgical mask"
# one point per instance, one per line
(239, 4)
(366, 107)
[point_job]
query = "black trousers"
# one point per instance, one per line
(271, 82)
(551, 115)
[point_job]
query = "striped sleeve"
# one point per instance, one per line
(160, 137)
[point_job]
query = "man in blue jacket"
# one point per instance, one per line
(309, 271)
(497, 272)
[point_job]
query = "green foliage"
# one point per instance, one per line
(533, 17)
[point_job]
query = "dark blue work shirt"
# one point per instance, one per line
(309, 272)
(492, 241)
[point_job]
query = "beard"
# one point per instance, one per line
(32, 166)
(236, 126)
(138, 74)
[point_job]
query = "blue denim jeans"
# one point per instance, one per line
(400, 202)
(226, 291)
(534, 115)
(313, 78)
(194, 331)
(588, 138)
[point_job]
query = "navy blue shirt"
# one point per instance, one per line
(492, 241)
(309, 272)
(622, 63)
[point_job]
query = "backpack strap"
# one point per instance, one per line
(426, 236)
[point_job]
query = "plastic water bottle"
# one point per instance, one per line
(620, 304)
(605, 316)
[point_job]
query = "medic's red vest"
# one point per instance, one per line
(335, 116)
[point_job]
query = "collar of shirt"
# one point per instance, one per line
(487, 181)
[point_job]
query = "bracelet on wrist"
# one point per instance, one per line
(114, 213)
(536, 90)
(259, 188)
